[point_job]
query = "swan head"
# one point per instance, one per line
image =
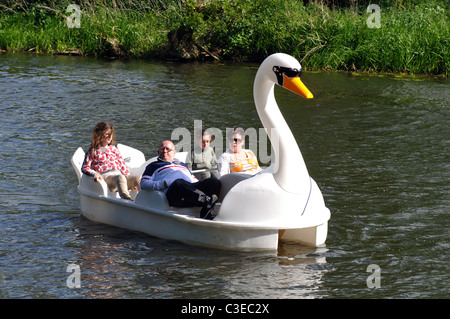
(285, 71)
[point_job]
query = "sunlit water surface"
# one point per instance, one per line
(377, 147)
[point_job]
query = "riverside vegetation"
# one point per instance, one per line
(412, 37)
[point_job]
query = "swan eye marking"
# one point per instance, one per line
(288, 72)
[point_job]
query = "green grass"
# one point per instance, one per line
(139, 35)
(413, 38)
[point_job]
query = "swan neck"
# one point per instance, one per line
(289, 167)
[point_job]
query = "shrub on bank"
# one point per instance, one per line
(411, 39)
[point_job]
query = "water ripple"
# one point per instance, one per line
(376, 147)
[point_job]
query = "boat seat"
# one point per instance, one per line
(89, 184)
(133, 158)
(228, 181)
(77, 161)
(152, 198)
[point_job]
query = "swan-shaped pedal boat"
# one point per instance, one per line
(253, 212)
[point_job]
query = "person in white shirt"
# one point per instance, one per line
(237, 159)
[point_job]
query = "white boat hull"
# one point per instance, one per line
(192, 230)
(179, 227)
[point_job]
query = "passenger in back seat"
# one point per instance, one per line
(237, 159)
(203, 157)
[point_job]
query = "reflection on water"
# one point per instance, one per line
(376, 146)
(120, 262)
(290, 253)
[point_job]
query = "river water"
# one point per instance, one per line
(378, 147)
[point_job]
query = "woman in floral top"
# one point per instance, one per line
(103, 161)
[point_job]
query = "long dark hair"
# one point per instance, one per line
(99, 131)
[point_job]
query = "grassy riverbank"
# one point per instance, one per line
(411, 38)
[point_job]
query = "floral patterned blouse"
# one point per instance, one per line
(105, 160)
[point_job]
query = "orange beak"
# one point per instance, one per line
(296, 85)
